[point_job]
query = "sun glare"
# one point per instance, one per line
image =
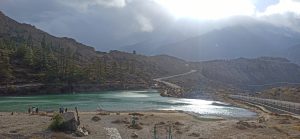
(208, 9)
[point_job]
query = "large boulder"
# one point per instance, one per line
(70, 122)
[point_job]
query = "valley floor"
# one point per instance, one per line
(184, 126)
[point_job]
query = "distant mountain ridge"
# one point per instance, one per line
(249, 40)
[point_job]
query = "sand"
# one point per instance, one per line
(183, 126)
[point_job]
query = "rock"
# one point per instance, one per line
(136, 114)
(284, 121)
(81, 132)
(178, 123)
(136, 126)
(134, 135)
(244, 125)
(241, 127)
(161, 123)
(178, 132)
(194, 134)
(13, 131)
(96, 118)
(118, 121)
(126, 121)
(261, 119)
(69, 122)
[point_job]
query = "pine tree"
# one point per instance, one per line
(53, 68)
(5, 67)
(29, 41)
(21, 50)
(28, 56)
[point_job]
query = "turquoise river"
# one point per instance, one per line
(122, 101)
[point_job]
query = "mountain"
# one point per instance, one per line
(240, 75)
(293, 53)
(35, 60)
(149, 43)
(251, 40)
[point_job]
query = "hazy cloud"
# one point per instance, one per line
(145, 23)
(108, 24)
(85, 4)
(283, 7)
(285, 13)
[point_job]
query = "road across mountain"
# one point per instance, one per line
(173, 76)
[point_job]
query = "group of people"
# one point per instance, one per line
(32, 110)
(35, 110)
(63, 110)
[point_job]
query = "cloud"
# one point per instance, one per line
(145, 23)
(84, 5)
(283, 7)
(109, 24)
(285, 13)
(208, 9)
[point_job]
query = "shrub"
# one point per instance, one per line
(57, 122)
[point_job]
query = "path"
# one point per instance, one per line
(172, 76)
(275, 83)
(272, 104)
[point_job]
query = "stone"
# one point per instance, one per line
(135, 126)
(161, 123)
(117, 121)
(134, 135)
(284, 121)
(194, 134)
(136, 114)
(178, 132)
(81, 132)
(244, 125)
(70, 121)
(261, 119)
(96, 118)
(178, 123)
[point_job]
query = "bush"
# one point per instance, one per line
(57, 122)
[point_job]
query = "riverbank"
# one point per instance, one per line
(47, 89)
(183, 126)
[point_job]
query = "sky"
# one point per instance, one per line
(109, 24)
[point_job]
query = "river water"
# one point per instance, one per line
(122, 101)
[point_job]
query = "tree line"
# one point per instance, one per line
(48, 63)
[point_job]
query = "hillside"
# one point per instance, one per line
(293, 53)
(290, 93)
(240, 75)
(33, 59)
